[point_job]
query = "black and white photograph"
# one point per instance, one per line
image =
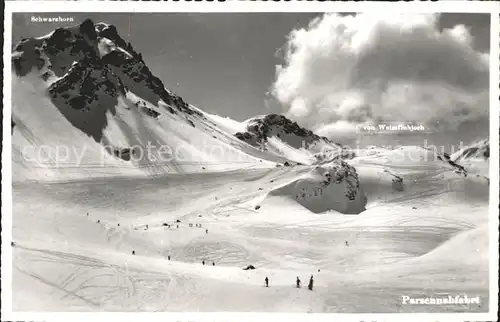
(260, 161)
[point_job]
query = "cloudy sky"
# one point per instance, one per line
(328, 72)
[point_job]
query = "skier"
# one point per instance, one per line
(346, 243)
(206, 231)
(298, 282)
(213, 263)
(267, 281)
(311, 282)
(98, 221)
(168, 257)
(133, 252)
(203, 262)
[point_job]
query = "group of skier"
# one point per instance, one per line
(165, 224)
(203, 262)
(298, 283)
(146, 227)
(168, 257)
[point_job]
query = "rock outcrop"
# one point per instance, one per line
(328, 187)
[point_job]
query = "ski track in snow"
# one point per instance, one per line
(76, 222)
(281, 240)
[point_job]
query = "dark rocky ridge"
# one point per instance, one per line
(85, 95)
(90, 79)
(118, 60)
(476, 151)
(345, 173)
(79, 44)
(445, 157)
(31, 57)
(277, 125)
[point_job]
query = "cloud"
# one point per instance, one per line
(340, 130)
(345, 70)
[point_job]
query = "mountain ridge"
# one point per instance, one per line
(89, 66)
(477, 150)
(103, 87)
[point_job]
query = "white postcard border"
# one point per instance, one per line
(248, 6)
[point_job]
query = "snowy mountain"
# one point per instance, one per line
(475, 158)
(479, 150)
(89, 70)
(97, 83)
(278, 134)
(111, 170)
(327, 188)
(86, 77)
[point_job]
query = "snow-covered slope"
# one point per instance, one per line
(112, 171)
(475, 158)
(87, 78)
(327, 188)
(76, 253)
(97, 104)
(280, 136)
(479, 150)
